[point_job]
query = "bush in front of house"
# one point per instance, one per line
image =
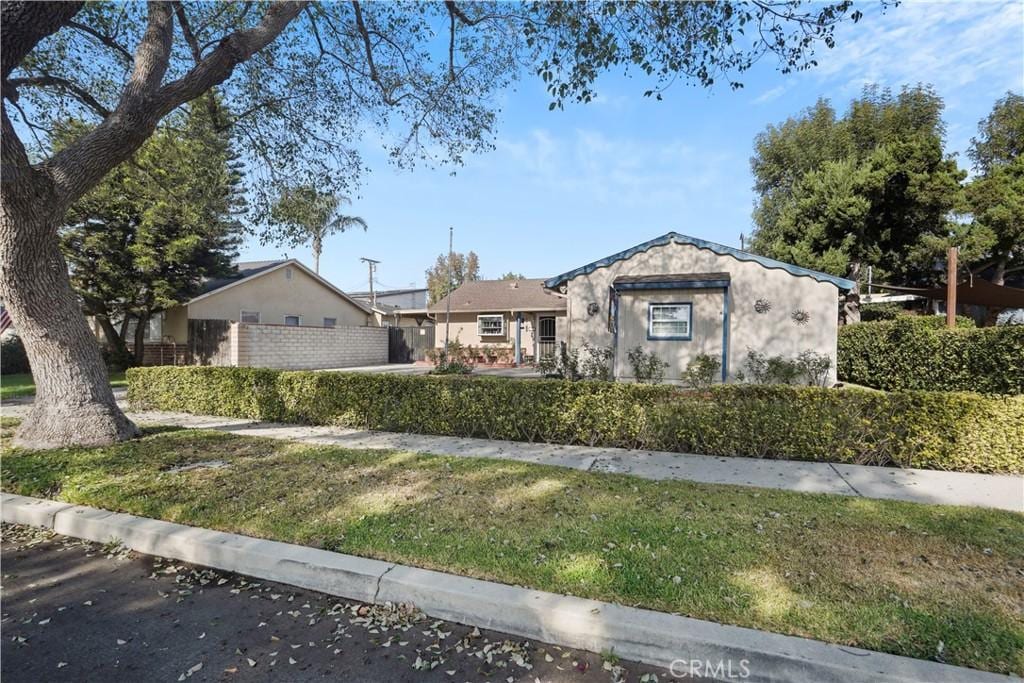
(809, 367)
(933, 430)
(909, 353)
(702, 371)
(13, 359)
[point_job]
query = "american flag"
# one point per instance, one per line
(5, 320)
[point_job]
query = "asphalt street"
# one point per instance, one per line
(76, 611)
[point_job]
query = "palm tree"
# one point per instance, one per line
(309, 216)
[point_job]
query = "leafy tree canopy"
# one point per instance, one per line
(421, 76)
(146, 237)
(995, 198)
(464, 268)
(872, 187)
(513, 276)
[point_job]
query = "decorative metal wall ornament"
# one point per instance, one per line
(801, 317)
(593, 308)
(762, 305)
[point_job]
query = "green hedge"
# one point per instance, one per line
(932, 430)
(909, 353)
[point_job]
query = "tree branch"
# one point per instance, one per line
(105, 39)
(27, 23)
(47, 81)
(186, 31)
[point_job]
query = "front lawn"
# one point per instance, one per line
(21, 384)
(931, 582)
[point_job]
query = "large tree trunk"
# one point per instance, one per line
(999, 274)
(118, 349)
(140, 338)
(74, 403)
(851, 303)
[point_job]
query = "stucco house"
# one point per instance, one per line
(517, 317)
(283, 292)
(680, 296)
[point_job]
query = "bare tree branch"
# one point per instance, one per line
(186, 31)
(47, 81)
(121, 50)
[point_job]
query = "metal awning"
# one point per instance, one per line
(672, 281)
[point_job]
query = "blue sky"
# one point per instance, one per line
(564, 188)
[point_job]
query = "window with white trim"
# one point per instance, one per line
(669, 321)
(330, 322)
(293, 320)
(490, 325)
(250, 317)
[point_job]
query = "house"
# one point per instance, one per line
(679, 296)
(283, 292)
(517, 320)
(398, 307)
(267, 314)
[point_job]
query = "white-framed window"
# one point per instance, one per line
(330, 322)
(293, 320)
(670, 321)
(490, 325)
(250, 317)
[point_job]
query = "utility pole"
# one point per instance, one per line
(448, 298)
(372, 264)
(951, 288)
(743, 244)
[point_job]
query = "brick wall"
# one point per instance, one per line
(307, 348)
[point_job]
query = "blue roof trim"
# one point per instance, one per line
(720, 249)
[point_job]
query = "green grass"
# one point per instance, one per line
(923, 581)
(21, 384)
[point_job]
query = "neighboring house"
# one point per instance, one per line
(680, 296)
(398, 307)
(283, 292)
(519, 316)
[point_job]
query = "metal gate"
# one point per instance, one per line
(409, 344)
(545, 336)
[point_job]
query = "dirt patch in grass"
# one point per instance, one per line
(932, 582)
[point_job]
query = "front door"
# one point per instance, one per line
(545, 336)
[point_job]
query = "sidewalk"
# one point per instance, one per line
(920, 486)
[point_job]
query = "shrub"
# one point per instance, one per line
(647, 367)
(702, 371)
(13, 359)
(934, 430)
(586, 362)
(910, 354)
(871, 312)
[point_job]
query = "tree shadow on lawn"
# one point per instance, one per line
(891, 576)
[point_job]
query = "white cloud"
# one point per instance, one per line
(771, 95)
(952, 45)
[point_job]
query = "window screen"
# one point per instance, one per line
(669, 321)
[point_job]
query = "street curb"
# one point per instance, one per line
(650, 637)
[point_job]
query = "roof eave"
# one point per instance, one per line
(722, 250)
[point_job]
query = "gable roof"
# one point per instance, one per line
(250, 270)
(720, 249)
(482, 296)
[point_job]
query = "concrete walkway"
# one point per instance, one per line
(920, 486)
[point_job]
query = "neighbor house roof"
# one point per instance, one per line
(387, 292)
(246, 271)
(482, 296)
(720, 249)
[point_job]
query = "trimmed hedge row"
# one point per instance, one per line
(946, 431)
(909, 354)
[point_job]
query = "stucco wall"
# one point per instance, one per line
(706, 330)
(464, 329)
(308, 348)
(772, 333)
(275, 295)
